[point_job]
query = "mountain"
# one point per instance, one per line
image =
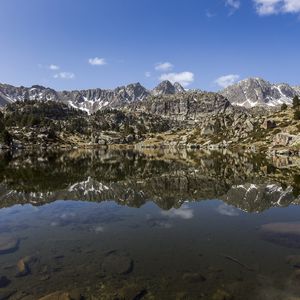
(259, 92)
(167, 88)
(87, 100)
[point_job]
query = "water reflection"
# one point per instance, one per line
(251, 183)
(132, 225)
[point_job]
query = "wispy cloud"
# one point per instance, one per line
(64, 75)
(184, 212)
(234, 5)
(147, 74)
(54, 67)
(209, 14)
(184, 78)
(165, 66)
(225, 81)
(227, 210)
(96, 61)
(273, 7)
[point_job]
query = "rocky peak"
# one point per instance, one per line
(179, 88)
(297, 89)
(167, 88)
(259, 92)
(136, 91)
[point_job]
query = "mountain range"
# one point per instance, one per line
(87, 100)
(253, 92)
(247, 93)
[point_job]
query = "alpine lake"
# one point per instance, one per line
(156, 224)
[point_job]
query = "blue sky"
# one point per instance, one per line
(206, 44)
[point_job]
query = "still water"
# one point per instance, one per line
(151, 225)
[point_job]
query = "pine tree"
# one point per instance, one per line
(296, 102)
(284, 106)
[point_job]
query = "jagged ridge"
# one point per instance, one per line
(89, 100)
(253, 92)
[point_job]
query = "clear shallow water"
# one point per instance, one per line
(145, 229)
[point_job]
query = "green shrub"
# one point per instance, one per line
(296, 102)
(284, 106)
(5, 138)
(297, 115)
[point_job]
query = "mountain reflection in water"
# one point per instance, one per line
(148, 225)
(251, 183)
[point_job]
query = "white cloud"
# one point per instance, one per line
(96, 61)
(184, 78)
(147, 74)
(225, 81)
(165, 66)
(183, 212)
(209, 14)
(272, 7)
(234, 4)
(54, 67)
(64, 75)
(227, 210)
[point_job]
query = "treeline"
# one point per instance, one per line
(37, 113)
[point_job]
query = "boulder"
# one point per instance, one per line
(209, 129)
(117, 263)
(8, 244)
(22, 268)
(4, 281)
(73, 295)
(129, 138)
(285, 139)
(269, 124)
(193, 277)
(132, 291)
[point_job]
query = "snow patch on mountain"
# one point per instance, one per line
(253, 92)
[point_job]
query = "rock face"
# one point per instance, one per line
(188, 106)
(88, 100)
(259, 92)
(285, 139)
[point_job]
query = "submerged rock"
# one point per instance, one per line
(193, 277)
(4, 281)
(8, 244)
(117, 263)
(73, 295)
(22, 268)
(132, 291)
(285, 234)
(293, 260)
(222, 295)
(4, 295)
